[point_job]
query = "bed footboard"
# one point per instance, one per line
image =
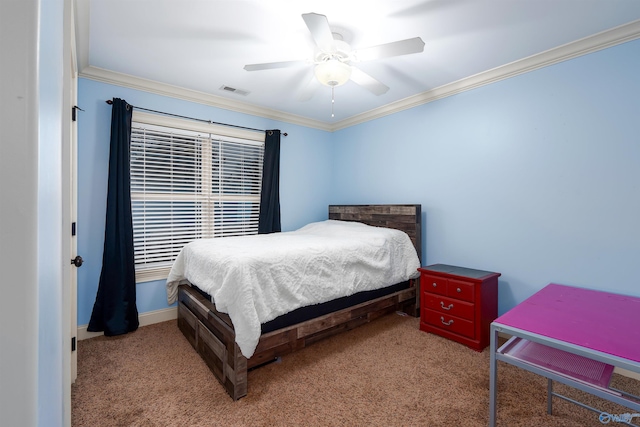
(211, 333)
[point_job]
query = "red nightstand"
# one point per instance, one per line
(458, 303)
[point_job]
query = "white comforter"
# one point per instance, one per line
(258, 278)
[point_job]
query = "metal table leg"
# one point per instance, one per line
(493, 377)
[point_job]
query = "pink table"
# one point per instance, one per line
(596, 325)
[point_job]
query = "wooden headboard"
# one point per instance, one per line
(407, 218)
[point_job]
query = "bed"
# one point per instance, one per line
(231, 348)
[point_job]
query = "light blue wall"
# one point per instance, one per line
(304, 177)
(50, 316)
(536, 177)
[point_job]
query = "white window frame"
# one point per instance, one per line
(211, 133)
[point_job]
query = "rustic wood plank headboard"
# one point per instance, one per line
(407, 218)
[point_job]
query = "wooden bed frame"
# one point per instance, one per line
(211, 333)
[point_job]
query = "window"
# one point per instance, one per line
(189, 180)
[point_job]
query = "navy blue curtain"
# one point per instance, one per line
(114, 310)
(269, 220)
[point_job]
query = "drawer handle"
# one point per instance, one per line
(445, 308)
(458, 290)
(434, 285)
(446, 323)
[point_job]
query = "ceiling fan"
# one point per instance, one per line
(334, 59)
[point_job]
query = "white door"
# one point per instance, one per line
(69, 198)
(73, 249)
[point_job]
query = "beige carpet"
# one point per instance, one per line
(387, 373)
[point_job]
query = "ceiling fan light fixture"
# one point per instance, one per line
(333, 72)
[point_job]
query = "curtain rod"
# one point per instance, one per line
(110, 102)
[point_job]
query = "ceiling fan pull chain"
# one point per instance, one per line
(332, 100)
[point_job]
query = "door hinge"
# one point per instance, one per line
(73, 344)
(73, 228)
(73, 112)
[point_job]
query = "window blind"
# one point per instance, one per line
(188, 185)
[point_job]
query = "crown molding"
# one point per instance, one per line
(584, 46)
(138, 83)
(594, 43)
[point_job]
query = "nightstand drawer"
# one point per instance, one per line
(460, 289)
(450, 306)
(437, 285)
(458, 303)
(450, 323)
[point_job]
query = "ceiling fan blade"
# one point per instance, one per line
(320, 31)
(401, 47)
(368, 82)
(272, 65)
(308, 90)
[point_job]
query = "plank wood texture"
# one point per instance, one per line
(211, 333)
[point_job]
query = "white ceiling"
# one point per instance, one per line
(202, 45)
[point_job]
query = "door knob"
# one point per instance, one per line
(77, 261)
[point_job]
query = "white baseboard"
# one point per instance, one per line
(630, 374)
(148, 318)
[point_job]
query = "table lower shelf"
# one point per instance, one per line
(574, 370)
(579, 368)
